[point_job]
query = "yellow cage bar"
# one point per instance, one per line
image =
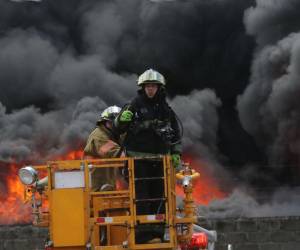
(81, 218)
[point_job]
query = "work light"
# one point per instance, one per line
(28, 175)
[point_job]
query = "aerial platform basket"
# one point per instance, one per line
(82, 217)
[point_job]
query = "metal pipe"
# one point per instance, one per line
(42, 182)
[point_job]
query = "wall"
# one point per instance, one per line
(22, 237)
(281, 233)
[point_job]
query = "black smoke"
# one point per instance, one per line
(52, 57)
(269, 107)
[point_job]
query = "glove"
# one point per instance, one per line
(126, 116)
(176, 160)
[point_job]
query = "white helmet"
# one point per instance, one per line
(110, 113)
(151, 76)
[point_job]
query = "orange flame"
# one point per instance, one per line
(73, 155)
(12, 207)
(14, 211)
(206, 188)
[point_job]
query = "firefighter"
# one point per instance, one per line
(152, 128)
(151, 124)
(104, 142)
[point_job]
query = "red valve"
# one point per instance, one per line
(199, 241)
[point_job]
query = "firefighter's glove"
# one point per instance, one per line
(126, 116)
(176, 160)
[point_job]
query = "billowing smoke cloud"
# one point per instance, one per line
(269, 108)
(28, 134)
(33, 66)
(198, 112)
(26, 60)
(51, 58)
(272, 20)
(199, 115)
(284, 202)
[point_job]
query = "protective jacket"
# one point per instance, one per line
(102, 143)
(154, 128)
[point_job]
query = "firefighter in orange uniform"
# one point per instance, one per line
(104, 142)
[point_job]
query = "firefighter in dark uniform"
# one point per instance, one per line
(104, 142)
(152, 128)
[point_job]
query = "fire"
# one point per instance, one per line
(73, 155)
(12, 207)
(206, 188)
(14, 211)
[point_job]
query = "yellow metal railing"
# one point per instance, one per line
(114, 212)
